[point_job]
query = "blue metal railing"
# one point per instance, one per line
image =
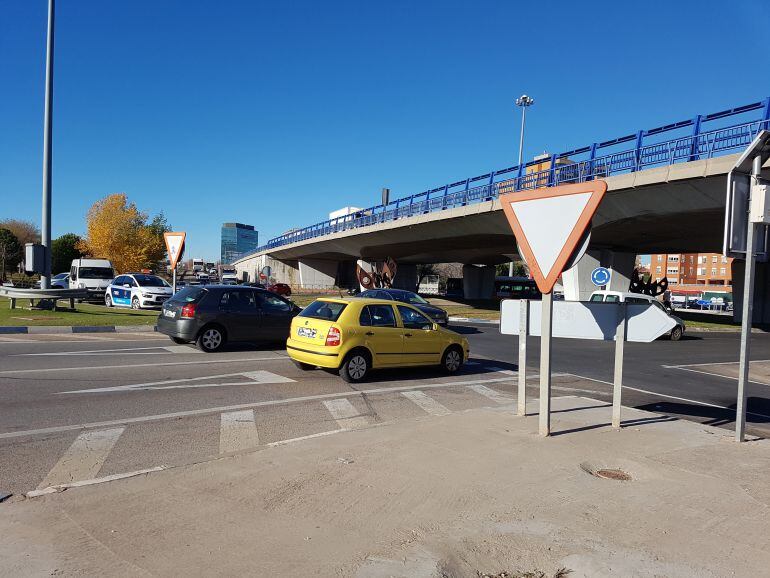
(573, 166)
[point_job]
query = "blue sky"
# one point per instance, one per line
(275, 113)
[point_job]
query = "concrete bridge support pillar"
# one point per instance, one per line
(761, 313)
(317, 273)
(478, 282)
(577, 281)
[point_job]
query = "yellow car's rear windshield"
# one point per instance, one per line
(327, 310)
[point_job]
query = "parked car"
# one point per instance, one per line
(355, 335)
(437, 314)
(93, 275)
(620, 296)
(213, 315)
(137, 290)
(59, 281)
(280, 289)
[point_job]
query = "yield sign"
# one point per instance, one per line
(174, 246)
(548, 224)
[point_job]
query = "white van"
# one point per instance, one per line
(91, 274)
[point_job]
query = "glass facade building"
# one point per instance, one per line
(237, 238)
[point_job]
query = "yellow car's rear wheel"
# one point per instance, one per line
(356, 366)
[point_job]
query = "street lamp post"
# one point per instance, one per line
(45, 229)
(523, 101)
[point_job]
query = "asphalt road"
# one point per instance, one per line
(79, 407)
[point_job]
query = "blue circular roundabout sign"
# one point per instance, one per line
(600, 276)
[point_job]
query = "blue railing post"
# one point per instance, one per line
(637, 151)
(591, 163)
(467, 186)
(552, 172)
(491, 185)
(695, 132)
(427, 202)
(446, 192)
(766, 111)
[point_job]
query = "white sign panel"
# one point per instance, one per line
(589, 320)
(174, 246)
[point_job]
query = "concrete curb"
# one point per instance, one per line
(475, 320)
(65, 329)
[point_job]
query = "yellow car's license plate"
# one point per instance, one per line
(306, 332)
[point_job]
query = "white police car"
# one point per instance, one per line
(137, 290)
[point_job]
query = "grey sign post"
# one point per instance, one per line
(748, 240)
(45, 229)
(523, 331)
(617, 382)
(546, 324)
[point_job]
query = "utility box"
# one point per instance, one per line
(759, 208)
(34, 258)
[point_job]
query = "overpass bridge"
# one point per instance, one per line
(666, 193)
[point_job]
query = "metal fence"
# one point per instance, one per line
(575, 166)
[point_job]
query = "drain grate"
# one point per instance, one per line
(606, 473)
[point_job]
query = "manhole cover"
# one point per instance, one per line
(612, 475)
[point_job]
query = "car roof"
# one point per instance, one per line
(359, 300)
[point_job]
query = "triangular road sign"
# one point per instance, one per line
(174, 246)
(548, 224)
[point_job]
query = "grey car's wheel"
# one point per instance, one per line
(211, 339)
(452, 360)
(135, 303)
(676, 333)
(355, 367)
(107, 300)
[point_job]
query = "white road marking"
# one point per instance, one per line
(262, 376)
(84, 458)
(714, 363)
(427, 403)
(122, 351)
(238, 431)
(92, 481)
(704, 403)
(495, 396)
(186, 383)
(220, 409)
(346, 414)
(734, 378)
(182, 349)
(128, 366)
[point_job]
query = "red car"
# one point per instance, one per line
(280, 289)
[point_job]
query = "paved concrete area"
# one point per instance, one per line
(452, 495)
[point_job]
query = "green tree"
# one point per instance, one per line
(10, 252)
(63, 251)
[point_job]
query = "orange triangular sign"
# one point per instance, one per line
(174, 246)
(548, 224)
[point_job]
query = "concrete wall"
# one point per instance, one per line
(478, 282)
(281, 271)
(317, 273)
(577, 281)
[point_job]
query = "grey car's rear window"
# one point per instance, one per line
(189, 295)
(327, 310)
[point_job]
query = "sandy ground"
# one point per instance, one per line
(436, 496)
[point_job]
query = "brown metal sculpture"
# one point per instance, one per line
(381, 276)
(649, 287)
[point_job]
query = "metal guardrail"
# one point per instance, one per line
(14, 293)
(566, 167)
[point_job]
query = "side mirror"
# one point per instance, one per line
(127, 285)
(434, 327)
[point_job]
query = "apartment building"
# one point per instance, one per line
(704, 270)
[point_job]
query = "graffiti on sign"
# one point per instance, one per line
(381, 275)
(648, 287)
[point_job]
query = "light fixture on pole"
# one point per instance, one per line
(523, 101)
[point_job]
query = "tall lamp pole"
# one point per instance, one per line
(523, 102)
(45, 277)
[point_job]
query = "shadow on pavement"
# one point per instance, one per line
(624, 423)
(758, 410)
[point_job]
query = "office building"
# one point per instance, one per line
(237, 239)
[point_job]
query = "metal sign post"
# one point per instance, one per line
(617, 382)
(745, 239)
(747, 317)
(546, 323)
(523, 331)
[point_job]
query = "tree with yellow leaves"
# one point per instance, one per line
(118, 231)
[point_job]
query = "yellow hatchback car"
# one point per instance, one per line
(356, 335)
